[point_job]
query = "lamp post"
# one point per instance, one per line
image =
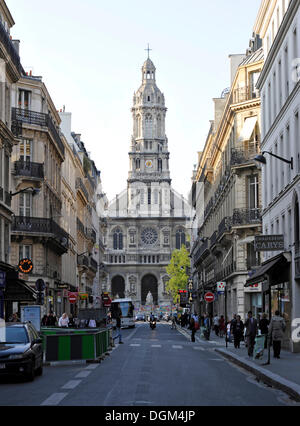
(35, 191)
(261, 158)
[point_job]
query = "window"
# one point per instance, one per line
(24, 99)
(25, 252)
(180, 239)
(26, 150)
(159, 165)
(138, 164)
(254, 76)
(149, 196)
(149, 126)
(118, 240)
(25, 204)
(253, 186)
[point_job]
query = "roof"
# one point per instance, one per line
(256, 56)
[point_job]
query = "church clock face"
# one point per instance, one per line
(149, 164)
(149, 236)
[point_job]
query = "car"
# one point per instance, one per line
(140, 317)
(21, 350)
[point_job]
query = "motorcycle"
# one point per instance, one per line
(152, 324)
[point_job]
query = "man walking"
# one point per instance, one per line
(118, 326)
(276, 333)
(216, 324)
(251, 332)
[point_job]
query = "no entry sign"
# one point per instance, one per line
(209, 297)
(73, 297)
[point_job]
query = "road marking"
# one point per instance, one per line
(92, 367)
(83, 374)
(177, 347)
(155, 346)
(197, 348)
(71, 384)
(54, 399)
(135, 345)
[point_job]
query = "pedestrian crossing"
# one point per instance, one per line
(175, 347)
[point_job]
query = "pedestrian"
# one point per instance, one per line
(207, 325)
(173, 326)
(216, 324)
(14, 318)
(193, 328)
(71, 321)
(222, 326)
(51, 319)
(44, 320)
(118, 327)
(276, 333)
(264, 327)
(237, 331)
(63, 321)
(251, 332)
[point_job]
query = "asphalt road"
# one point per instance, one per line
(152, 368)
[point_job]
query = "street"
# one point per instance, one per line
(152, 368)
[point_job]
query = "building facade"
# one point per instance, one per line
(278, 23)
(226, 194)
(146, 222)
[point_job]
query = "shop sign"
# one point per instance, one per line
(221, 287)
(269, 243)
(25, 266)
(83, 296)
(254, 288)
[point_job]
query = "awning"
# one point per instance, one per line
(276, 270)
(16, 290)
(248, 129)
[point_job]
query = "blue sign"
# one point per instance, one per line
(2, 279)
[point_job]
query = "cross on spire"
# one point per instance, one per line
(148, 50)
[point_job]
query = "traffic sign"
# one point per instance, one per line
(209, 297)
(73, 297)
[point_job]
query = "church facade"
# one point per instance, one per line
(147, 221)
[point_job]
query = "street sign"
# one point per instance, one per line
(209, 297)
(269, 243)
(40, 285)
(73, 297)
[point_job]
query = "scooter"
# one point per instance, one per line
(152, 324)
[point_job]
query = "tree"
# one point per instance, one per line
(177, 271)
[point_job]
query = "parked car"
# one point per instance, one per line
(21, 350)
(140, 317)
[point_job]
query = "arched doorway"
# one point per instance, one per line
(149, 284)
(118, 287)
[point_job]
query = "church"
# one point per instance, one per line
(148, 220)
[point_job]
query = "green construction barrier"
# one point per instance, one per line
(71, 345)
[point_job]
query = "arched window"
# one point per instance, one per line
(118, 239)
(159, 164)
(180, 239)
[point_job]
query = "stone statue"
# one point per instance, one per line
(149, 298)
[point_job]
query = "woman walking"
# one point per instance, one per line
(237, 331)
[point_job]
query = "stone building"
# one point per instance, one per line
(146, 222)
(278, 24)
(227, 185)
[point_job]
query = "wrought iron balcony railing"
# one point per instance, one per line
(246, 217)
(24, 116)
(80, 185)
(30, 169)
(83, 261)
(244, 94)
(242, 155)
(10, 48)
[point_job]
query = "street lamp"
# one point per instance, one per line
(261, 158)
(35, 191)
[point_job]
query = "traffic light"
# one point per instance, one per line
(184, 298)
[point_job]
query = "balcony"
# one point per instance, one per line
(202, 252)
(246, 217)
(224, 227)
(91, 235)
(241, 156)
(56, 236)
(24, 116)
(10, 49)
(83, 261)
(29, 169)
(244, 94)
(93, 265)
(80, 186)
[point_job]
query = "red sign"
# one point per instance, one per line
(25, 266)
(209, 297)
(73, 297)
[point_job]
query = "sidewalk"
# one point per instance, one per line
(283, 373)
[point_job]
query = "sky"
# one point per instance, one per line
(90, 54)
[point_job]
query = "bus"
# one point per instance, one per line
(127, 309)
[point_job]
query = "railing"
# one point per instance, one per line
(244, 94)
(40, 226)
(28, 168)
(225, 226)
(81, 186)
(91, 234)
(246, 217)
(24, 116)
(201, 250)
(242, 155)
(10, 48)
